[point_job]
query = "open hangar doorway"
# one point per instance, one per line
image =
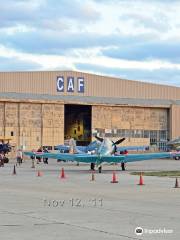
(77, 123)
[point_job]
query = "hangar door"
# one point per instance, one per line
(77, 123)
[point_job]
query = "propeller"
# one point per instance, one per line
(119, 141)
(99, 138)
(115, 143)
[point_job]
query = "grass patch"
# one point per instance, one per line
(159, 173)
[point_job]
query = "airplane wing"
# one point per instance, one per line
(137, 157)
(30, 153)
(61, 156)
(86, 158)
(146, 156)
(65, 156)
(112, 159)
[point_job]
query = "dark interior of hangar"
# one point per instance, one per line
(77, 123)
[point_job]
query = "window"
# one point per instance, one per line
(146, 134)
(131, 133)
(12, 134)
(138, 133)
(108, 135)
(121, 132)
(163, 135)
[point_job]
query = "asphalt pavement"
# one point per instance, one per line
(49, 207)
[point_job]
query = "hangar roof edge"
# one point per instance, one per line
(88, 99)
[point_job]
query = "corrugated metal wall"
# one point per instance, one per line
(45, 83)
(32, 124)
(175, 121)
(106, 119)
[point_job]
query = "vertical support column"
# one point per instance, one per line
(168, 132)
(41, 124)
(53, 140)
(19, 125)
(4, 120)
(91, 125)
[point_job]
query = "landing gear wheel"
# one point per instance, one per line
(100, 169)
(123, 166)
(93, 166)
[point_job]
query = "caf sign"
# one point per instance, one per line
(72, 84)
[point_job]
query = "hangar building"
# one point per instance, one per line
(45, 108)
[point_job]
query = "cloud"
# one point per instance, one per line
(54, 42)
(164, 50)
(51, 42)
(161, 76)
(157, 21)
(139, 39)
(35, 13)
(14, 64)
(18, 12)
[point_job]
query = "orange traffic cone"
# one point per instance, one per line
(92, 177)
(14, 170)
(62, 176)
(141, 182)
(39, 174)
(114, 180)
(176, 183)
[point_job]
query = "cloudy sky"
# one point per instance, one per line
(138, 40)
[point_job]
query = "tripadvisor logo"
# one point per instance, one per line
(138, 231)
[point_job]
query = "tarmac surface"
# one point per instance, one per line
(52, 208)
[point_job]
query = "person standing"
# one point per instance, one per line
(1, 159)
(39, 158)
(45, 159)
(19, 156)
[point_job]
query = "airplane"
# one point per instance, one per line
(4, 145)
(5, 148)
(93, 146)
(175, 145)
(105, 154)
